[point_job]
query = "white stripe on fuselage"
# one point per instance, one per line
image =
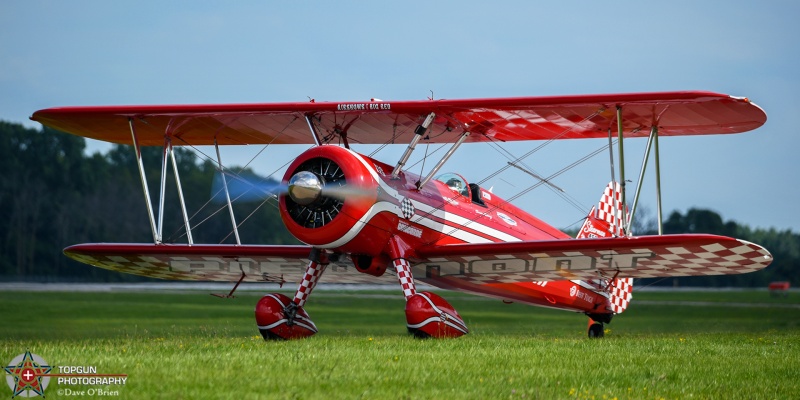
(437, 226)
(376, 208)
(462, 222)
(440, 213)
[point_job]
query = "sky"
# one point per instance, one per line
(57, 53)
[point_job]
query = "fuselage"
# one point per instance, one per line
(378, 209)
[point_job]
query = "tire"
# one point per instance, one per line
(596, 331)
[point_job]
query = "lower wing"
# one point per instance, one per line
(636, 257)
(216, 263)
(583, 259)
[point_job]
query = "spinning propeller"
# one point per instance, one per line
(317, 191)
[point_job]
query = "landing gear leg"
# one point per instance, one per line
(427, 314)
(280, 318)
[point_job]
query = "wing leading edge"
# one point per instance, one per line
(584, 259)
(214, 263)
(379, 122)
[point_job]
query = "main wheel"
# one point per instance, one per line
(429, 315)
(274, 322)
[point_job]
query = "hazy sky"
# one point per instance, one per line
(61, 53)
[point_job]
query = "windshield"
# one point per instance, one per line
(455, 182)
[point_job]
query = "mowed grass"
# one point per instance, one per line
(191, 345)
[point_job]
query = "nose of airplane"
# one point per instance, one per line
(305, 187)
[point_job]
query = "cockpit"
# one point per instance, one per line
(458, 184)
(455, 182)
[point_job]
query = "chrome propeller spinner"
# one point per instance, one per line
(305, 187)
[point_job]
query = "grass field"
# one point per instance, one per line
(191, 345)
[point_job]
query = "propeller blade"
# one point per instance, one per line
(345, 191)
(246, 188)
(251, 187)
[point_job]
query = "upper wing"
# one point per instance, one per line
(378, 122)
(636, 257)
(217, 263)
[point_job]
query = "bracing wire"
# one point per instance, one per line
(537, 184)
(564, 196)
(235, 175)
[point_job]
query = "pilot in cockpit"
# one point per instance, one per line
(455, 182)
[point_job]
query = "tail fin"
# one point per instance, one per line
(605, 220)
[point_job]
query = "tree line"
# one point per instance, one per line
(53, 195)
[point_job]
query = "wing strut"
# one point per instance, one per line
(313, 130)
(611, 155)
(180, 194)
(653, 134)
(419, 132)
(138, 151)
(443, 160)
(658, 188)
(162, 194)
(227, 193)
(652, 141)
(167, 153)
(622, 171)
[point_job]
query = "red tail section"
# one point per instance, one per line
(605, 220)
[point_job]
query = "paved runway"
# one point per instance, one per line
(210, 287)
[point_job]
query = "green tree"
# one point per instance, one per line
(53, 195)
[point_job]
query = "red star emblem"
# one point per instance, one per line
(28, 375)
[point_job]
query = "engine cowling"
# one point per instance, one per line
(331, 201)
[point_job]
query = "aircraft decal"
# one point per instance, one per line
(507, 219)
(374, 106)
(407, 208)
(594, 287)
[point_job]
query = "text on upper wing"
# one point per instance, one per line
(363, 106)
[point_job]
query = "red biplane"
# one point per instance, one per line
(359, 217)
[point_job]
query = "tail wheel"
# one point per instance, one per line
(596, 330)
